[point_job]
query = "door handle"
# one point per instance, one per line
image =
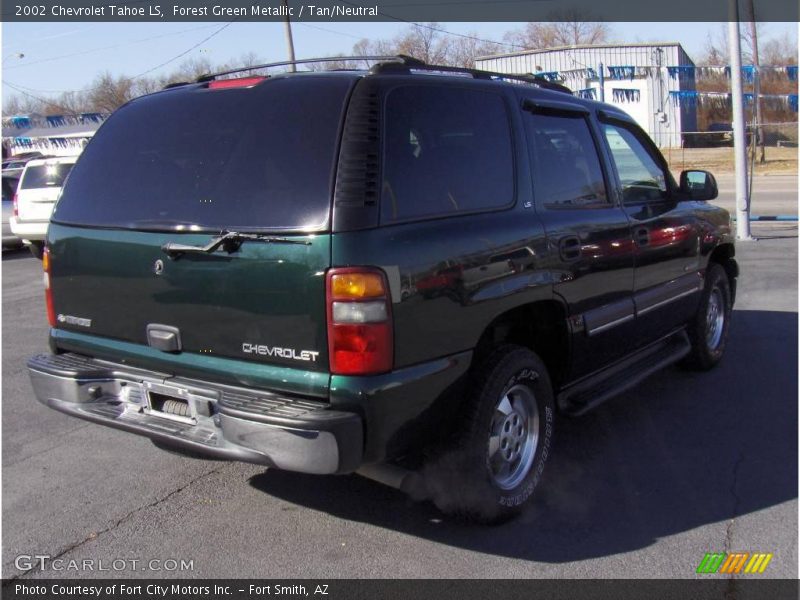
(569, 248)
(643, 236)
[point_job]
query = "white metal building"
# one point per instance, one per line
(636, 77)
(54, 135)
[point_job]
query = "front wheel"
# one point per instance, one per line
(500, 453)
(708, 330)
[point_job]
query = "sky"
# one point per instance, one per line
(62, 57)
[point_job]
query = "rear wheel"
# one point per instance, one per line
(37, 249)
(504, 442)
(708, 331)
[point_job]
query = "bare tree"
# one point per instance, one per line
(108, 93)
(20, 104)
(463, 51)
(425, 42)
(569, 28)
(779, 51)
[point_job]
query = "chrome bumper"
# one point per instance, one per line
(223, 422)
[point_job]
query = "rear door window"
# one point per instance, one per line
(447, 150)
(45, 176)
(256, 158)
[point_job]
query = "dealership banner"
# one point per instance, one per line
(387, 10)
(747, 588)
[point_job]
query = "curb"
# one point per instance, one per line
(770, 217)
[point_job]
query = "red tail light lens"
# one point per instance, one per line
(48, 293)
(16, 206)
(360, 338)
(223, 84)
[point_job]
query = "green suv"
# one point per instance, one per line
(406, 271)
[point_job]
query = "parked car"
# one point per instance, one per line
(9, 189)
(18, 161)
(38, 190)
(717, 134)
(288, 270)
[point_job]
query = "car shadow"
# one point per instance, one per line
(16, 253)
(680, 451)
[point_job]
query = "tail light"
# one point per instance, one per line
(48, 293)
(16, 207)
(223, 84)
(360, 339)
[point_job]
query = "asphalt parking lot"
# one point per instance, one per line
(644, 486)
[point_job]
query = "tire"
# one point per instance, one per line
(708, 330)
(37, 249)
(498, 456)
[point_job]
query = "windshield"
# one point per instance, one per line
(212, 159)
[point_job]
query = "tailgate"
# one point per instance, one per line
(36, 205)
(264, 303)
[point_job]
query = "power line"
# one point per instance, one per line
(355, 37)
(83, 52)
(437, 29)
(184, 53)
(143, 73)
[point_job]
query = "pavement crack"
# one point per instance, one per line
(731, 589)
(736, 502)
(96, 534)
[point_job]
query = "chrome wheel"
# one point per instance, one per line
(513, 437)
(715, 319)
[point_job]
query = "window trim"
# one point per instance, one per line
(514, 142)
(555, 109)
(607, 118)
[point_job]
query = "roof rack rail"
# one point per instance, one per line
(417, 65)
(399, 58)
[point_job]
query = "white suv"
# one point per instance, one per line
(36, 196)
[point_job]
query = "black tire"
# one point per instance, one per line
(708, 330)
(469, 480)
(37, 249)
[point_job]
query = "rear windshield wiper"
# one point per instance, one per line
(229, 241)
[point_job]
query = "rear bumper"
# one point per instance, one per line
(34, 231)
(290, 433)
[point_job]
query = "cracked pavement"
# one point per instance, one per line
(644, 486)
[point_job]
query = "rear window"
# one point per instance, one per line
(446, 151)
(45, 176)
(240, 158)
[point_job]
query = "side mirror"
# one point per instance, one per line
(699, 185)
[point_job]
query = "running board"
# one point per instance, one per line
(598, 387)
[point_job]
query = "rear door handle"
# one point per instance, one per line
(643, 236)
(569, 248)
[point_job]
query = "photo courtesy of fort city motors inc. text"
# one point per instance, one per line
(399, 299)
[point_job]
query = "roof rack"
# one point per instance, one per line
(399, 63)
(418, 65)
(399, 58)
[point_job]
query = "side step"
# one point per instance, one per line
(585, 394)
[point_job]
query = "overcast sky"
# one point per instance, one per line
(67, 56)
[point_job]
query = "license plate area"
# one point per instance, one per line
(170, 402)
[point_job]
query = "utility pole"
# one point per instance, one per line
(750, 14)
(287, 26)
(739, 140)
(602, 81)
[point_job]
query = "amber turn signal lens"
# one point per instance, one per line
(357, 285)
